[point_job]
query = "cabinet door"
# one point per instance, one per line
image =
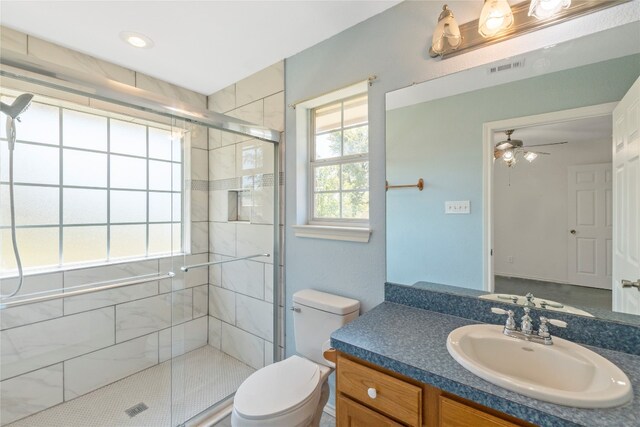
(456, 414)
(352, 414)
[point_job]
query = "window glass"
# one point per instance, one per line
(127, 138)
(118, 195)
(339, 165)
(84, 130)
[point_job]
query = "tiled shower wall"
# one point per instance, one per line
(241, 293)
(57, 350)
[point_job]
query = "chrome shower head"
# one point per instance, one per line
(20, 104)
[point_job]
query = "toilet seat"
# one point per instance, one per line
(277, 389)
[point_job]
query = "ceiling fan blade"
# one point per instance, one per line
(504, 145)
(544, 145)
(540, 152)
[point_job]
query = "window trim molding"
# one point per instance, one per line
(306, 225)
(332, 232)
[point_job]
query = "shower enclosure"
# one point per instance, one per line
(148, 254)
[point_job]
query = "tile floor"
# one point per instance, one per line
(197, 380)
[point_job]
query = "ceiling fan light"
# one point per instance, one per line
(543, 9)
(496, 16)
(530, 156)
(508, 155)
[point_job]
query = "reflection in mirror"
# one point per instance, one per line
(530, 144)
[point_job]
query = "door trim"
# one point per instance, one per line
(488, 129)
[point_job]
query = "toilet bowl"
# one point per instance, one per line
(294, 391)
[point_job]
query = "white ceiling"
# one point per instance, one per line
(201, 45)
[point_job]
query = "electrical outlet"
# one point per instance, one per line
(510, 259)
(458, 207)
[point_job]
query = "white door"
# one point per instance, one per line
(590, 225)
(626, 202)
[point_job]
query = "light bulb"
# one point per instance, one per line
(508, 155)
(543, 9)
(136, 39)
(530, 156)
(496, 16)
(446, 36)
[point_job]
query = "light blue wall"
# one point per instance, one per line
(392, 45)
(389, 45)
(441, 141)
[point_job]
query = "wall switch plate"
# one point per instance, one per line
(457, 207)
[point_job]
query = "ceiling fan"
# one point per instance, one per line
(510, 149)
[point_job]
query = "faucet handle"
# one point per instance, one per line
(511, 323)
(543, 330)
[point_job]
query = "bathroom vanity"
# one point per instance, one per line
(368, 394)
(393, 368)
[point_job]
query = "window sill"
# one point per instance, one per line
(346, 234)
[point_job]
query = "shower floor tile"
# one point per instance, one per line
(197, 380)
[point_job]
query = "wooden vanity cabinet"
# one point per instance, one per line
(368, 395)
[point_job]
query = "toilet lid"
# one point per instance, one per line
(277, 388)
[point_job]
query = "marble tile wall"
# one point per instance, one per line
(241, 293)
(57, 350)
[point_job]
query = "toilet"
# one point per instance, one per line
(293, 392)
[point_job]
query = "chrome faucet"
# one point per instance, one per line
(526, 332)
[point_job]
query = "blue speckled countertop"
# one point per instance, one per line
(412, 342)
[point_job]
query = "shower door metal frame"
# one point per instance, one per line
(25, 68)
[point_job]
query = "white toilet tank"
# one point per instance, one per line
(316, 315)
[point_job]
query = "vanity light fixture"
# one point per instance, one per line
(446, 36)
(496, 16)
(543, 9)
(499, 22)
(136, 39)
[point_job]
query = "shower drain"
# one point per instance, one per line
(136, 409)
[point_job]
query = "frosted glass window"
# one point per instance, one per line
(160, 142)
(82, 206)
(176, 142)
(159, 175)
(128, 206)
(159, 207)
(39, 123)
(33, 164)
(39, 247)
(177, 237)
(83, 130)
(128, 241)
(34, 205)
(177, 207)
(84, 169)
(127, 172)
(160, 238)
(90, 188)
(82, 244)
(127, 138)
(176, 170)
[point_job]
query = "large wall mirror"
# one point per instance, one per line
(531, 177)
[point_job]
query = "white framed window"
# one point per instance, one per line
(92, 187)
(339, 162)
(332, 177)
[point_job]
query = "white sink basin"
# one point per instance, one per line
(564, 373)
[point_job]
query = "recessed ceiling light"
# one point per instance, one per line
(136, 39)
